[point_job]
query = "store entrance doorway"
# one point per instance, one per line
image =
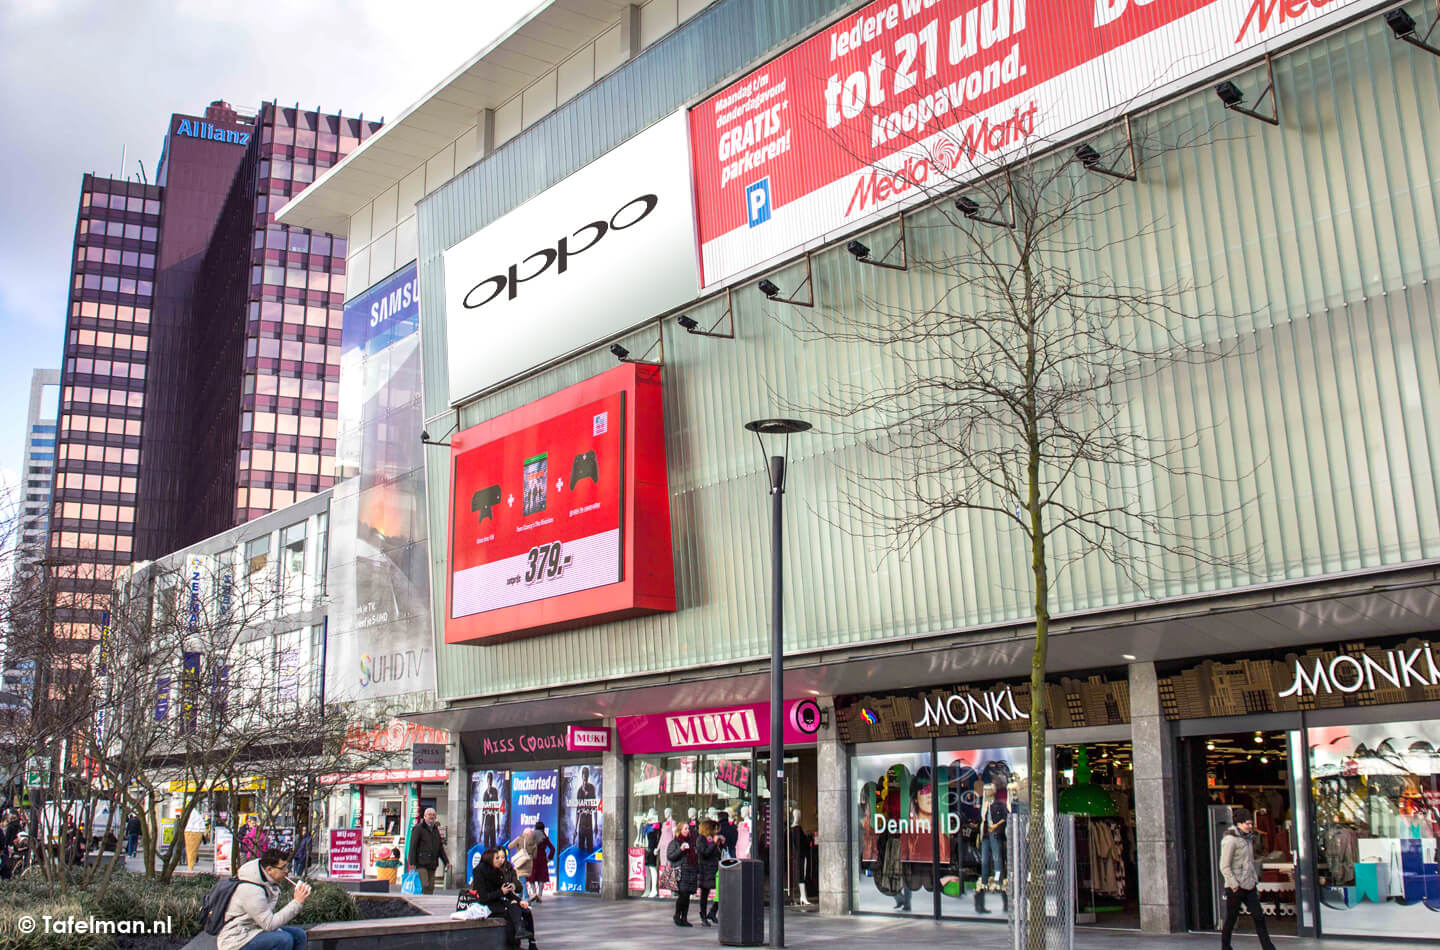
(801, 820)
(1223, 772)
(1095, 782)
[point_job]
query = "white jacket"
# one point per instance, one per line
(252, 909)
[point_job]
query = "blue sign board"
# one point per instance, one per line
(387, 312)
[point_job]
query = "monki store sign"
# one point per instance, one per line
(1402, 668)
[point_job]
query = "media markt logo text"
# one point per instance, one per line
(721, 728)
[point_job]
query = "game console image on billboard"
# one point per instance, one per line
(539, 512)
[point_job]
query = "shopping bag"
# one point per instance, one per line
(411, 883)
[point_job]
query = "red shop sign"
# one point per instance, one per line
(727, 728)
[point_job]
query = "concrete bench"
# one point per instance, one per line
(410, 933)
(396, 933)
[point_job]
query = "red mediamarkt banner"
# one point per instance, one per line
(548, 504)
(905, 96)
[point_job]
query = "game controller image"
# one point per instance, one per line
(485, 500)
(585, 466)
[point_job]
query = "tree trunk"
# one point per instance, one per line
(1035, 831)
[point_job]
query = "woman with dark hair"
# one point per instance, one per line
(502, 897)
(540, 860)
(682, 856)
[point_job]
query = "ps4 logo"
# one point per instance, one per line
(204, 130)
(757, 201)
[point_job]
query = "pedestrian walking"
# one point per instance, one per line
(251, 920)
(132, 835)
(682, 856)
(540, 866)
(708, 848)
(503, 897)
(427, 850)
(1242, 883)
(522, 851)
(254, 841)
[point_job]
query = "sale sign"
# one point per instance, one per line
(347, 854)
(537, 513)
(904, 98)
(560, 512)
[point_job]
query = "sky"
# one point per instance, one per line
(83, 81)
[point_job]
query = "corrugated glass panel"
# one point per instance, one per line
(1320, 240)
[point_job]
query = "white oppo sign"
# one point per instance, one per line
(599, 253)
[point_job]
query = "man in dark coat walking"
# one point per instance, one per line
(427, 850)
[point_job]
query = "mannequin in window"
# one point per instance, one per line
(651, 823)
(742, 843)
(666, 869)
(799, 858)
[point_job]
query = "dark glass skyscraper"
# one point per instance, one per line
(201, 364)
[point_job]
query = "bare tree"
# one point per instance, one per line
(205, 686)
(1009, 396)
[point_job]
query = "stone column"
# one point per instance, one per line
(615, 799)
(457, 813)
(832, 775)
(1157, 823)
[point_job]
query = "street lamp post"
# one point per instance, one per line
(775, 466)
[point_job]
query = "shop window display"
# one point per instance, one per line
(666, 791)
(567, 800)
(924, 826)
(1376, 798)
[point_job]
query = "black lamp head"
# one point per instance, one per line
(859, 250)
(1400, 22)
(1229, 94)
(687, 322)
(768, 288)
(619, 352)
(424, 436)
(1087, 156)
(967, 206)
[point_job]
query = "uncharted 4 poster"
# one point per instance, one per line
(489, 808)
(534, 797)
(580, 829)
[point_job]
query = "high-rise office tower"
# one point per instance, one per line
(33, 494)
(201, 365)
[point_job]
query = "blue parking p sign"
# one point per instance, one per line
(757, 202)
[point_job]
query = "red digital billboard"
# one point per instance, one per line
(552, 503)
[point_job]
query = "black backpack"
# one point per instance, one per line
(213, 907)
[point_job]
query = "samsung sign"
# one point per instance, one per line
(601, 252)
(387, 312)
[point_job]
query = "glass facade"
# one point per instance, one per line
(925, 823)
(379, 565)
(102, 396)
(1375, 791)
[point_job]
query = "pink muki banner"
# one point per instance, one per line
(730, 727)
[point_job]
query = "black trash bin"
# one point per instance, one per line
(742, 903)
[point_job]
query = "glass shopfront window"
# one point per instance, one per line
(1375, 791)
(981, 789)
(924, 825)
(669, 790)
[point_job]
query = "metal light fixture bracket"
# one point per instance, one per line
(900, 243)
(807, 282)
(1273, 118)
(1116, 172)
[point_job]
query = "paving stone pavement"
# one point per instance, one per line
(563, 922)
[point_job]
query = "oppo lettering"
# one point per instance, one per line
(726, 728)
(559, 255)
(959, 708)
(1349, 674)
